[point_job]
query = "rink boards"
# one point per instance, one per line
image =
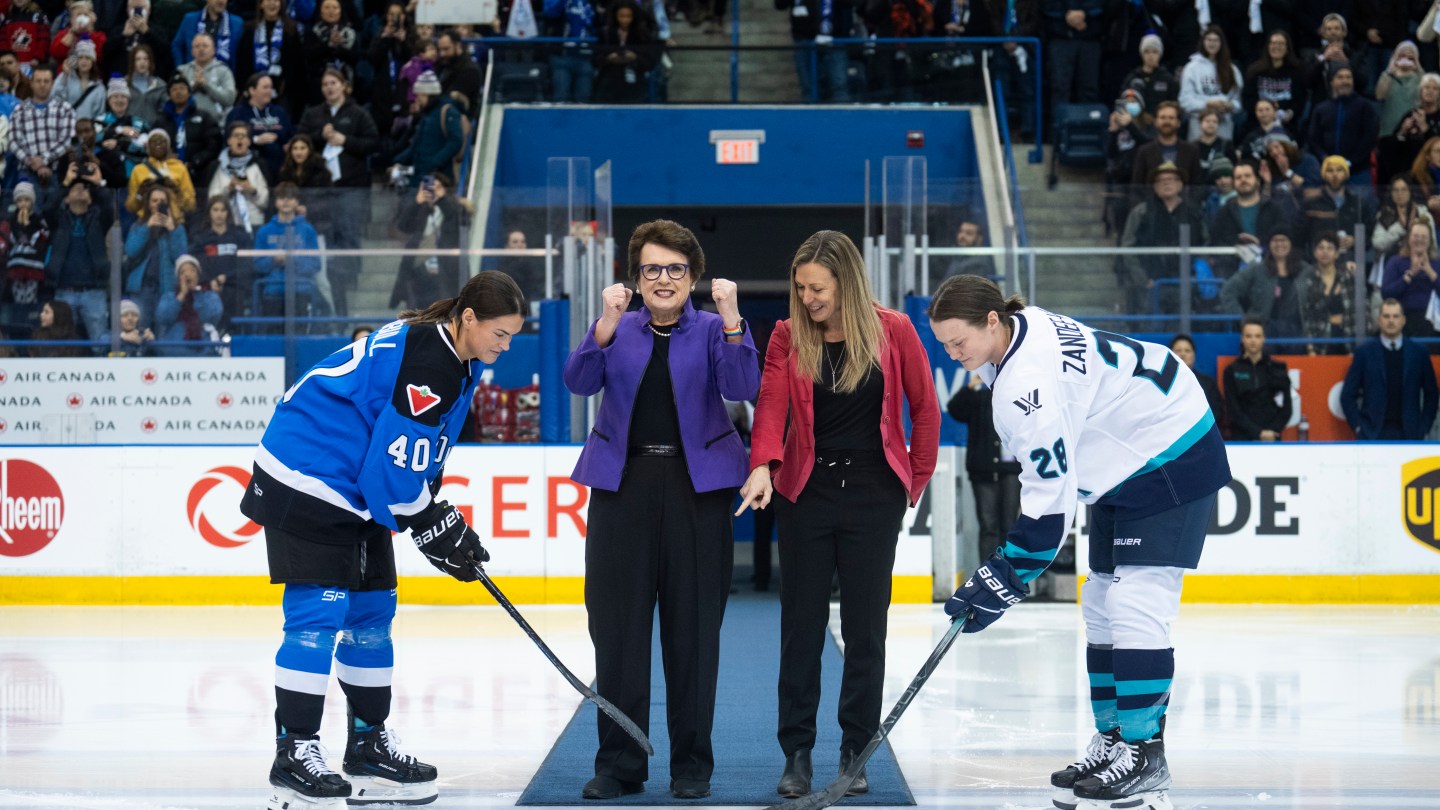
(161, 525)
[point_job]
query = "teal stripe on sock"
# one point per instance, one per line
(1106, 716)
(1013, 552)
(1159, 686)
(1140, 724)
(1102, 679)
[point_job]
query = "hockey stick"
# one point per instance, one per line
(605, 705)
(836, 791)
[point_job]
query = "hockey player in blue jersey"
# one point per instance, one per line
(1122, 425)
(353, 453)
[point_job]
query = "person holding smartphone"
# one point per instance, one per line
(190, 314)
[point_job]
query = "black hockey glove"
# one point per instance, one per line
(986, 594)
(443, 537)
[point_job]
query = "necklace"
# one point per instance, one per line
(652, 328)
(834, 374)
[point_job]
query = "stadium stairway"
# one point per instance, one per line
(766, 77)
(1068, 215)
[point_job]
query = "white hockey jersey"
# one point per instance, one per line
(1098, 418)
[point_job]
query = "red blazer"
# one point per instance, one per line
(784, 391)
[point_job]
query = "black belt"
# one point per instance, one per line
(658, 450)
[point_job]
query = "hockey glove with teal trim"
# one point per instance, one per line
(986, 594)
(449, 544)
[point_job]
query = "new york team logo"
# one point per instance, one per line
(422, 399)
(196, 503)
(1420, 497)
(1029, 404)
(32, 507)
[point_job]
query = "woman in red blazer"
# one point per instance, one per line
(837, 369)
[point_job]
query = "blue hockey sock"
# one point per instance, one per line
(1142, 689)
(1099, 662)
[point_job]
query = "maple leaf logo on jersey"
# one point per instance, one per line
(422, 399)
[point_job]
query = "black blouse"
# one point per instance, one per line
(847, 421)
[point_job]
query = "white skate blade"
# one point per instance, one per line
(372, 790)
(1064, 799)
(1154, 800)
(287, 799)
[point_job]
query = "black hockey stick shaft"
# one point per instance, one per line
(836, 790)
(605, 706)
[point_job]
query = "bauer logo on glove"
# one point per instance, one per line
(448, 542)
(985, 595)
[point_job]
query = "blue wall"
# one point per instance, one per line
(663, 155)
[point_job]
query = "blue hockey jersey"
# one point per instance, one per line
(362, 435)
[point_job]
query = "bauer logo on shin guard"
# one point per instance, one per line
(996, 586)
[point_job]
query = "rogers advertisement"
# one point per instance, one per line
(149, 400)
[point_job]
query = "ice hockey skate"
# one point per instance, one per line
(301, 778)
(1097, 756)
(1136, 779)
(381, 774)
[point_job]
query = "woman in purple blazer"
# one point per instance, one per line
(663, 463)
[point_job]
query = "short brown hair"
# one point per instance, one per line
(670, 235)
(971, 299)
(1173, 105)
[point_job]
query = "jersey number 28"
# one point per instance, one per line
(1043, 459)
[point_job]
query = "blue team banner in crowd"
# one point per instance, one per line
(142, 400)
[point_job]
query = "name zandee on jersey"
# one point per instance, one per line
(1098, 418)
(1072, 343)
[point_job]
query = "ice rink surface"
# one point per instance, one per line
(1273, 707)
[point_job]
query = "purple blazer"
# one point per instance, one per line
(705, 369)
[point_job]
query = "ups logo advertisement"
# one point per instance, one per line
(1420, 491)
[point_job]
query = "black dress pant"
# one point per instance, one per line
(657, 539)
(997, 504)
(846, 521)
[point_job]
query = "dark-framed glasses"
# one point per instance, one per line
(676, 272)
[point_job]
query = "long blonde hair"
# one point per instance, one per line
(864, 337)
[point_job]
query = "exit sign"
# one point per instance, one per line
(737, 147)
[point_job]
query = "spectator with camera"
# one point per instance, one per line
(238, 178)
(190, 315)
(82, 28)
(438, 138)
(1398, 88)
(79, 84)
(122, 132)
(273, 46)
(100, 167)
(161, 165)
(41, 128)
(155, 241)
(135, 32)
(224, 28)
(212, 83)
(79, 264)
(25, 240)
(287, 231)
(216, 240)
(197, 141)
(433, 222)
(269, 122)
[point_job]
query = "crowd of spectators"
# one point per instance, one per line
(199, 130)
(1294, 136)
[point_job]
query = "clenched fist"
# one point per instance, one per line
(614, 301)
(727, 303)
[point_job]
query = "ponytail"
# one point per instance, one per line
(971, 299)
(490, 294)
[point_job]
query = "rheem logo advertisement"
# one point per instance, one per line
(32, 507)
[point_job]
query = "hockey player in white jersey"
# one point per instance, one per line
(1121, 425)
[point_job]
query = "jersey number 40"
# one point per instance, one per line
(416, 456)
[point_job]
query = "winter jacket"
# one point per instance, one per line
(144, 245)
(87, 100)
(361, 138)
(1255, 290)
(1321, 214)
(1199, 85)
(169, 327)
(1257, 397)
(174, 171)
(25, 248)
(294, 235)
(1152, 224)
(438, 139)
(147, 103)
(255, 201)
(225, 51)
(195, 134)
(217, 94)
(974, 408)
(1153, 87)
(97, 220)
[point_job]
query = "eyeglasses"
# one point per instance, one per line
(676, 272)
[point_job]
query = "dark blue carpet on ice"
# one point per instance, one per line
(748, 760)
